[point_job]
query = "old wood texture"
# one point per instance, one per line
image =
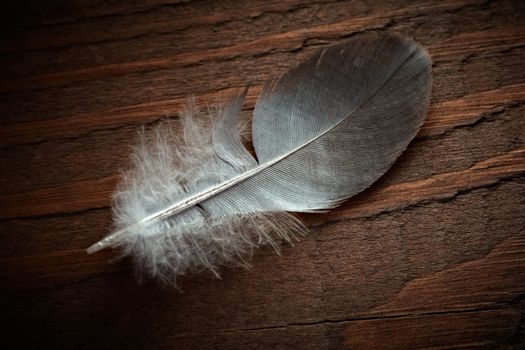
(432, 256)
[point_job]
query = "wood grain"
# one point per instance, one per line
(430, 257)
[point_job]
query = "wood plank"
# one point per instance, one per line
(291, 40)
(430, 257)
(148, 87)
(150, 21)
(470, 109)
(442, 116)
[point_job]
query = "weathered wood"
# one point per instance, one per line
(432, 256)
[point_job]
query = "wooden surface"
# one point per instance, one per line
(432, 256)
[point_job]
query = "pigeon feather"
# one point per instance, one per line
(322, 133)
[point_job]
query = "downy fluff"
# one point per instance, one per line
(164, 161)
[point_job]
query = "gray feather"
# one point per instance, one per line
(322, 133)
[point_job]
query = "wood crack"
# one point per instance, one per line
(349, 320)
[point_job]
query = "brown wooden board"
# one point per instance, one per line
(432, 256)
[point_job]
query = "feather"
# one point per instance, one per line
(322, 133)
